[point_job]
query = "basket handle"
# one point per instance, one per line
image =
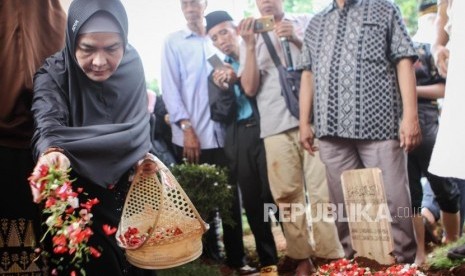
(148, 165)
(165, 174)
(168, 179)
(152, 165)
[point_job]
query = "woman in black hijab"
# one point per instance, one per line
(90, 112)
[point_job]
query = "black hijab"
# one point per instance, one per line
(103, 127)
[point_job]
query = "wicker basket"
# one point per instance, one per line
(160, 227)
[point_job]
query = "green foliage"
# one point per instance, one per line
(298, 6)
(409, 9)
(207, 187)
(438, 258)
(291, 6)
(249, 11)
(153, 85)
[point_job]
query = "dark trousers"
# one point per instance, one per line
(446, 191)
(429, 200)
(461, 186)
(232, 235)
(252, 177)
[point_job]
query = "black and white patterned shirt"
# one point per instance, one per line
(352, 53)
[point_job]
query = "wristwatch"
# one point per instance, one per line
(185, 126)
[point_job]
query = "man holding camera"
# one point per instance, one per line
(291, 171)
(243, 146)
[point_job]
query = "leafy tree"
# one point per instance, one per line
(298, 6)
(249, 10)
(153, 85)
(407, 7)
(291, 6)
(207, 187)
(409, 10)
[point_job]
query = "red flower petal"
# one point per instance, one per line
(109, 230)
(177, 231)
(94, 252)
(43, 169)
(60, 249)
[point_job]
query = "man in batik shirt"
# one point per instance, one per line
(359, 82)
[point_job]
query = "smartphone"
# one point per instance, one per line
(215, 61)
(263, 24)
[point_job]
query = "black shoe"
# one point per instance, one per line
(457, 253)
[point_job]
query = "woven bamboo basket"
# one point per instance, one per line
(160, 227)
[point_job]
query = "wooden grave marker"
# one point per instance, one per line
(367, 214)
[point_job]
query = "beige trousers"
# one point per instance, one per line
(289, 168)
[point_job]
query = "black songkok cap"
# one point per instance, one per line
(215, 18)
(427, 6)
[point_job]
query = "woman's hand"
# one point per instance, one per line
(52, 159)
(147, 165)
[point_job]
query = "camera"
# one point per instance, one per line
(263, 24)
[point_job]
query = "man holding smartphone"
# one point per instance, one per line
(291, 171)
(196, 137)
(243, 145)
